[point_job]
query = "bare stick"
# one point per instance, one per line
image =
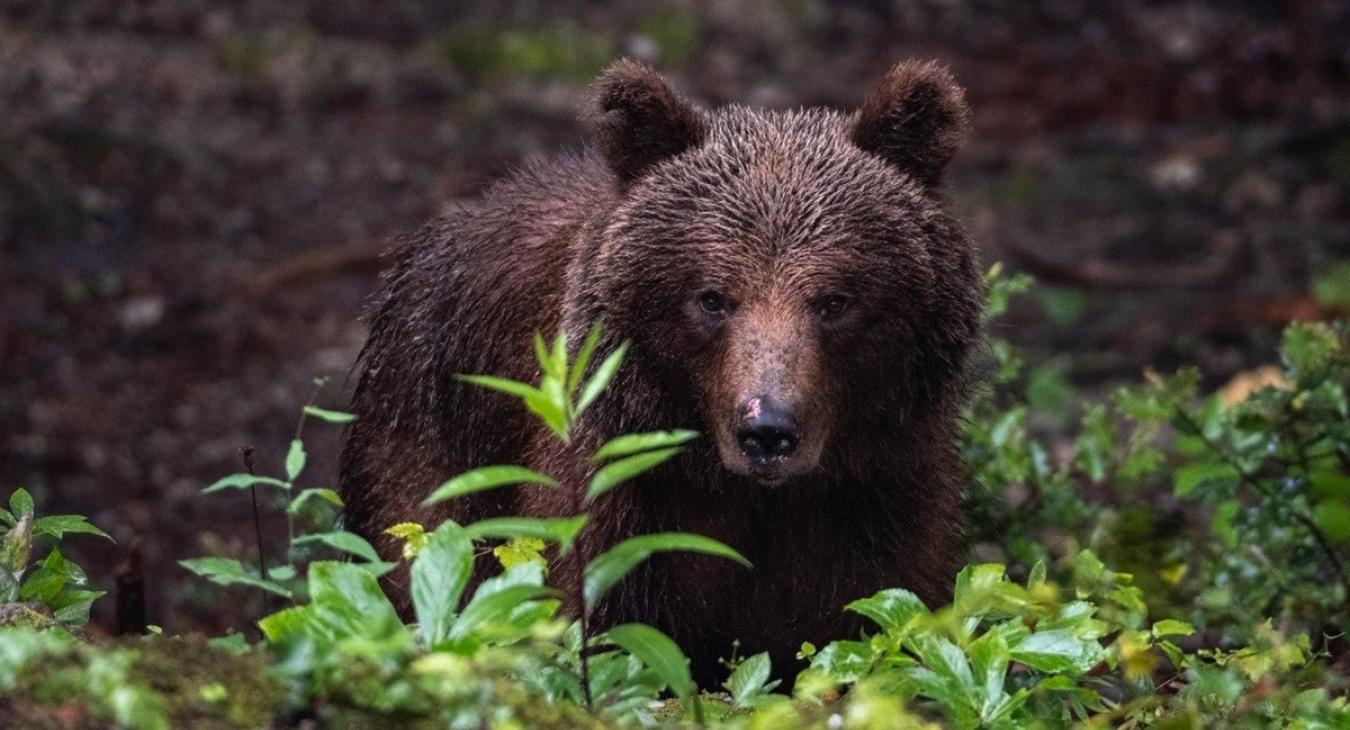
(247, 453)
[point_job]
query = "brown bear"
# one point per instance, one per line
(793, 288)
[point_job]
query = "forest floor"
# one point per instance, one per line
(194, 198)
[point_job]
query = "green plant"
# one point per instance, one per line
(620, 670)
(1222, 606)
(55, 582)
(310, 518)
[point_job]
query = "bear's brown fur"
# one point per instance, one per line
(802, 258)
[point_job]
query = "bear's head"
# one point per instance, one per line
(792, 275)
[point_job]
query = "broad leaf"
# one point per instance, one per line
(497, 607)
(20, 503)
(658, 652)
(844, 662)
(348, 601)
(439, 574)
(891, 609)
(287, 624)
(611, 566)
(59, 526)
(989, 658)
(1057, 651)
(488, 477)
(751, 678)
(295, 459)
(1190, 477)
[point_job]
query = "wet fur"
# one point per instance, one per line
(771, 204)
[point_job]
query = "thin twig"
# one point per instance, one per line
(247, 453)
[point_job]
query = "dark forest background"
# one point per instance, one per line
(195, 198)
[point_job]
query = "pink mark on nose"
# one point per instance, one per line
(752, 408)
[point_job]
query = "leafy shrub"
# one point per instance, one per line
(1225, 607)
(54, 583)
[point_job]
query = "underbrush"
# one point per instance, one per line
(1157, 557)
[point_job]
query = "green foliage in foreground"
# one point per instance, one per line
(52, 585)
(1233, 612)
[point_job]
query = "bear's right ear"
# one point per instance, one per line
(915, 119)
(638, 121)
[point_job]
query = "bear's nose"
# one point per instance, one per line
(768, 430)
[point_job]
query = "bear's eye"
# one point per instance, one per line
(833, 306)
(712, 302)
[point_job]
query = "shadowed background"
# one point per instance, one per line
(194, 199)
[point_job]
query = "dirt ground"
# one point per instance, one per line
(194, 196)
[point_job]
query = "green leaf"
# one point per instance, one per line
(1057, 651)
(487, 477)
(502, 608)
(59, 526)
(542, 356)
(558, 358)
(989, 659)
(601, 378)
(295, 460)
(1332, 287)
(17, 546)
(286, 624)
(328, 416)
(234, 643)
(560, 530)
(348, 602)
(658, 652)
(1333, 516)
(583, 359)
(946, 660)
(549, 406)
(347, 542)
(634, 443)
(1307, 346)
(1204, 474)
(72, 605)
(1328, 483)
(244, 481)
(439, 574)
(844, 662)
(49, 577)
(1172, 627)
(1037, 575)
(20, 503)
(612, 565)
(492, 609)
(890, 609)
(750, 679)
(305, 496)
(501, 385)
(228, 571)
(618, 472)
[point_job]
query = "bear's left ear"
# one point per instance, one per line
(915, 119)
(637, 120)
